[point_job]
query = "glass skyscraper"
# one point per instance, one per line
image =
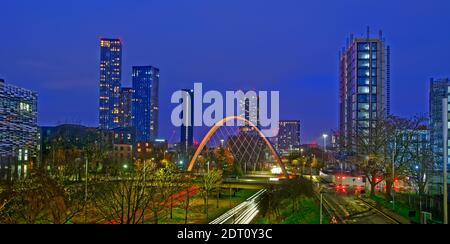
(18, 128)
(145, 106)
(110, 83)
(288, 138)
(249, 108)
(187, 129)
(126, 104)
(364, 83)
(439, 123)
(154, 104)
(438, 91)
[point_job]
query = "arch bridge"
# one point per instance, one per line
(221, 124)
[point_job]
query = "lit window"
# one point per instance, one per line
(20, 154)
(24, 107)
(25, 157)
(363, 89)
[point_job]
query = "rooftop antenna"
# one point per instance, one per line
(381, 35)
(368, 32)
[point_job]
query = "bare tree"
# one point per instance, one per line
(127, 199)
(166, 182)
(39, 198)
(123, 200)
(401, 143)
(422, 164)
(369, 151)
(383, 152)
(211, 181)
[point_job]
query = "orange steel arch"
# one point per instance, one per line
(220, 124)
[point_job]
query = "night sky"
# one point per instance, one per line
(292, 46)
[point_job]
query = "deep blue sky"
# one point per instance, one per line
(292, 46)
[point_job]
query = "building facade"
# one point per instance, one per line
(364, 93)
(18, 129)
(437, 181)
(187, 128)
(154, 104)
(145, 107)
(155, 150)
(288, 138)
(438, 91)
(249, 108)
(110, 83)
(126, 106)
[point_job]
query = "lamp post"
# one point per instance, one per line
(86, 191)
(321, 208)
(393, 185)
(143, 191)
(325, 136)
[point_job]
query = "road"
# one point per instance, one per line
(351, 210)
(244, 213)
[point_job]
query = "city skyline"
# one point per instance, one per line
(195, 113)
(223, 59)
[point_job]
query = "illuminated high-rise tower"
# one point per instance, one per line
(187, 129)
(110, 83)
(145, 102)
(364, 87)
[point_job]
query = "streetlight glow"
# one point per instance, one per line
(325, 136)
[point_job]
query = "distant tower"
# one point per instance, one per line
(126, 102)
(110, 83)
(154, 105)
(288, 138)
(187, 129)
(145, 97)
(364, 87)
(388, 80)
(438, 91)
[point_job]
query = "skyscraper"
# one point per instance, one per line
(364, 94)
(187, 129)
(126, 103)
(249, 109)
(288, 138)
(110, 82)
(438, 91)
(18, 128)
(154, 104)
(145, 106)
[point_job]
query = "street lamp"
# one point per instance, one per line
(86, 192)
(321, 207)
(143, 190)
(325, 136)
